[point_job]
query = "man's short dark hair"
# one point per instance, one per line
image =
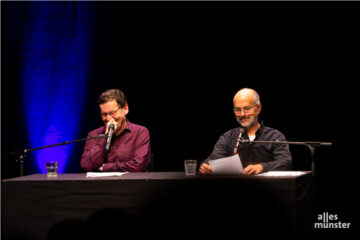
(113, 94)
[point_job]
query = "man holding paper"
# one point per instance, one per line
(256, 157)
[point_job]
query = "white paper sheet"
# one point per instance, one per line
(282, 174)
(105, 174)
(228, 165)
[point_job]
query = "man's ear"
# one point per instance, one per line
(126, 107)
(259, 108)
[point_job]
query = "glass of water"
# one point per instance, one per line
(51, 169)
(190, 167)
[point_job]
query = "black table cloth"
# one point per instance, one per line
(150, 204)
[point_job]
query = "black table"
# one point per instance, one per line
(141, 204)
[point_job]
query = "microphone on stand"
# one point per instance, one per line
(109, 136)
(242, 131)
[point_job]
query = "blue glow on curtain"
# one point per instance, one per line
(55, 66)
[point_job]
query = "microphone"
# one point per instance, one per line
(109, 136)
(242, 131)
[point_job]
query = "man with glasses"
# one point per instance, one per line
(130, 145)
(256, 157)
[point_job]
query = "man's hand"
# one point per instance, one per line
(205, 169)
(253, 169)
(112, 121)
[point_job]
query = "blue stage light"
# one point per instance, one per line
(55, 66)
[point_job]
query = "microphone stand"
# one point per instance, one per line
(21, 154)
(311, 145)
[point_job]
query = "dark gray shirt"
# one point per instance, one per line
(271, 156)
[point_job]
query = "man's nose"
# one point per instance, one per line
(108, 118)
(241, 113)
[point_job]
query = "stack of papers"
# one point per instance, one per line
(105, 174)
(282, 174)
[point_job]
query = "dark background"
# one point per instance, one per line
(180, 65)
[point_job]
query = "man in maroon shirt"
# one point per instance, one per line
(130, 145)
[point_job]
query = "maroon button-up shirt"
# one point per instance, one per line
(129, 152)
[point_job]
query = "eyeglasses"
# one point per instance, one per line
(245, 109)
(112, 113)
